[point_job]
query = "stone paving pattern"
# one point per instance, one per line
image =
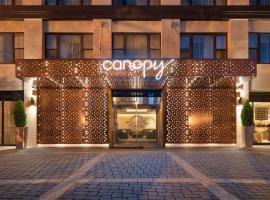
(134, 174)
(154, 191)
(137, 165)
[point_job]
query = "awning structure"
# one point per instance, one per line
(74, 98)
(90, 73)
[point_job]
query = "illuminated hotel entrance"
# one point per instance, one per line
(136, 117)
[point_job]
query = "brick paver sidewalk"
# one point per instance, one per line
(85, 173)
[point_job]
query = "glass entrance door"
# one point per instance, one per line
(136, 121)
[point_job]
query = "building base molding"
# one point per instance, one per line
(74, 145)
(168, 145)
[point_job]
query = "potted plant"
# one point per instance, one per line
(20, 123)
(248, 124)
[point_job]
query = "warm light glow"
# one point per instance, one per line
(134, 110)
(74, 145)
(137, 65)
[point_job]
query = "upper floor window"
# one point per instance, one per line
(203, 2)
(68, 2)
(129, 45)
(11, 2)
(69, 46)
(203, 46)
(259, 47)
(11, 47)
(136, 2)
(259, 2)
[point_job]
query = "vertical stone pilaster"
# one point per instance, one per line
(33, 49)
(170, 38)
(102, 2)
(32, 2)
(237, 49)
(170, 2)
(102, 38)
(238, 2)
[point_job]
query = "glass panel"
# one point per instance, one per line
(88, 54)
(51, 42)
(70, 47)
(185, 54)
(136, 46)
(220, 42)
(154, 41)
(118, 54)
(203, 46)
(5, 2)
(265, 48)
(118, 2)
(185, 2)
(220, 2)
(87, 2)
(69, 2)
(19, 41)
(221, 54)
(252, 40)
(88, 41)
(185, 41)
(51, 2)
(6, 48)
(264, 2)
(118, 41)
(154, 2)
(154, 53)
(51, 54)
(252, 54)
(262, 122)
(9, 126)
(202, 2)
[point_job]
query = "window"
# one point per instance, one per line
(11, 47)
(203, 46)
(136, 2)
(11, 2)
(259, 47)
(203, 2)
(69, 46)
(259, 2)
(68, 2)
(136, 45)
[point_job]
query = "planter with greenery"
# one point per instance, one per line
(20, 123)
(248, 124)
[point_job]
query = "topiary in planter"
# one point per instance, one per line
(19, 114)
(247, 114)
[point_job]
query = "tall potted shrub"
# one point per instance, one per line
(20, 123)
(248, 124)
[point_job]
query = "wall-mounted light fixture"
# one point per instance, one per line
(32, 101)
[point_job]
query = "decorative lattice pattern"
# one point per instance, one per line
(202, 114)
(72, 116)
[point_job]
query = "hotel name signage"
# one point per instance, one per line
(143, 66)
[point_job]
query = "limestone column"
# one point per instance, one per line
(237, 2)
(32, 2)
(170, 38)
(102, 38)
(101, 2)
(33, 49)
(238, 49)
(170, 2)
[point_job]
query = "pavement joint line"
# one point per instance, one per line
(63, 186)
(208, 183)
(138, 180)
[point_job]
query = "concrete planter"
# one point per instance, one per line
(21, 137)
(248, 136)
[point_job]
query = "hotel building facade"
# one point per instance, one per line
(134, 72)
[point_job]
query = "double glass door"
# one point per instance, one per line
(136, 121)
(7, 126)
